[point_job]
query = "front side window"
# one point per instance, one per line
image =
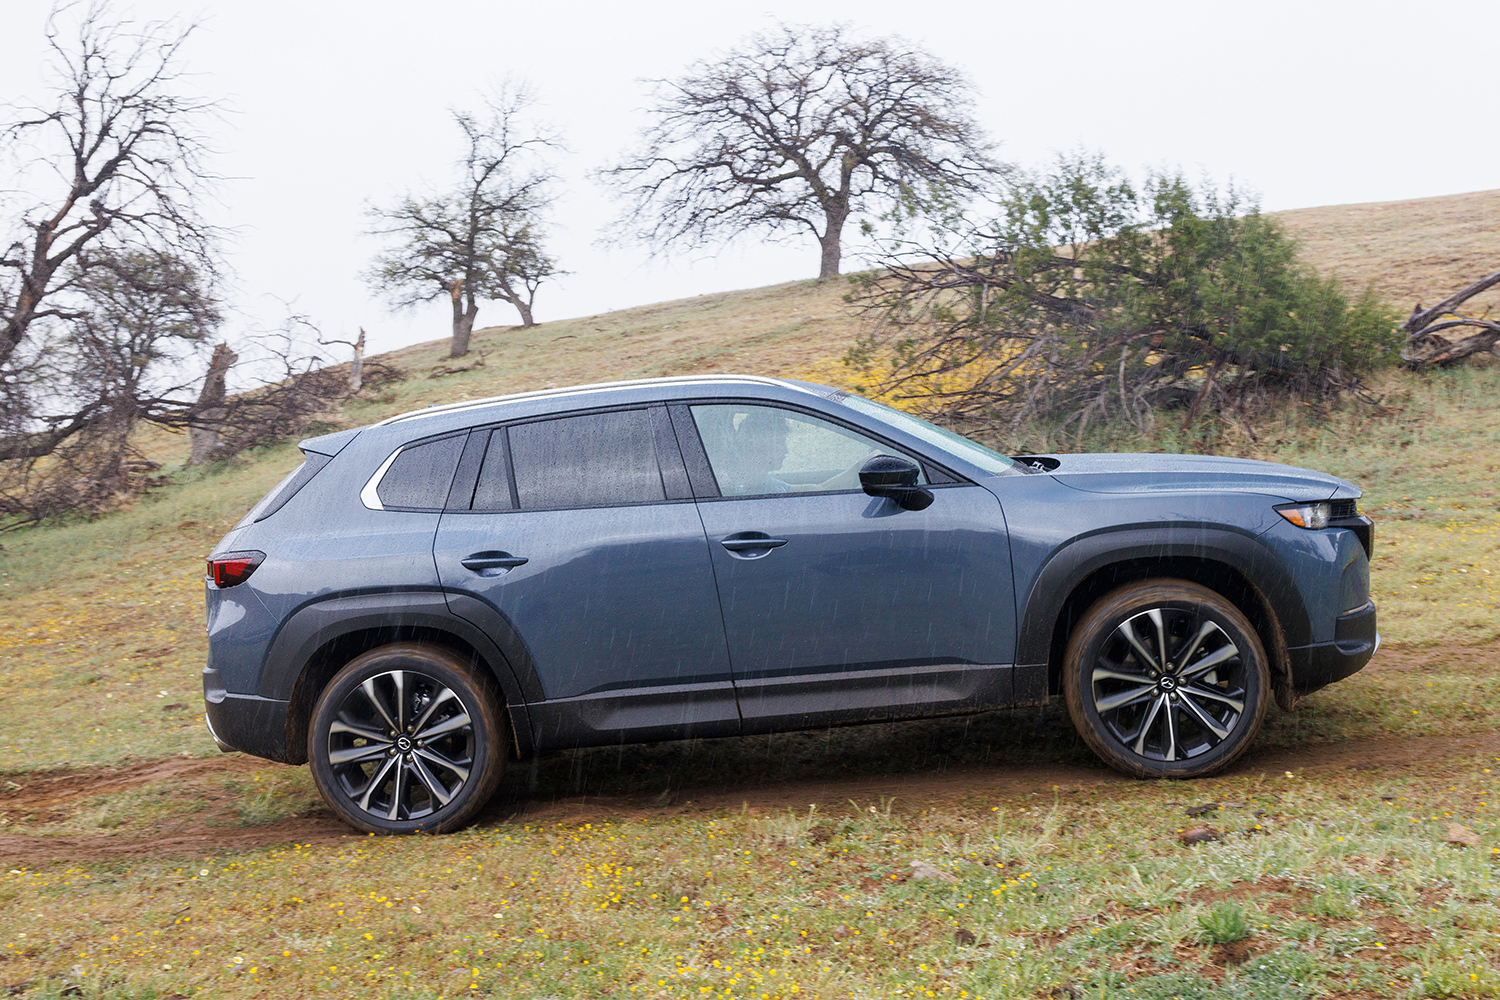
(760, 450)
(591, 460)
(972, 452)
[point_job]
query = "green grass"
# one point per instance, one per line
(1088, 891)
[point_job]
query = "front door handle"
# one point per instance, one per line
(746, 540)
(481, 561)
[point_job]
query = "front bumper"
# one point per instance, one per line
(1355, 640)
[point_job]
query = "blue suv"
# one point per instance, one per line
(425, 598)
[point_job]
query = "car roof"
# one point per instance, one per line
(701, 383)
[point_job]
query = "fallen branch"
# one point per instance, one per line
(1426, 346)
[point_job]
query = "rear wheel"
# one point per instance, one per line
(1166, 679)
(407, 738)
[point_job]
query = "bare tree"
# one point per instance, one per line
(125, 356)
(356, 363)
(120, 150)
(797, 130)
(482, 240)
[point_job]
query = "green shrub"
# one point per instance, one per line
(1227, 922)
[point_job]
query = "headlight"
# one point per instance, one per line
(1306, 515)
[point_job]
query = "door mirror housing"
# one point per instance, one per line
(895, 478)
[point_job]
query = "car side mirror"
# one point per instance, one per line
(895, 478)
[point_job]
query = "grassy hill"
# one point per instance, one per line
(1420, 250)
(1338, 876)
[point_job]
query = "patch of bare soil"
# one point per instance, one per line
(1480, 657)
(1233, 953)
(47, 795)
(46, 792)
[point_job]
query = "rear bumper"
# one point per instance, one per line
(1355, 641)
(245, 722)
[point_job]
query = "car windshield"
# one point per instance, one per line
(954, 444)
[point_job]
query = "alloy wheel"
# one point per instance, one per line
(401, 745)
(1168, 684)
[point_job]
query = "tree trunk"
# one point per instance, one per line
(208, 413)
(830, 241)
(357, 366)
(524, 308)
(463, 321)
(1208, 384)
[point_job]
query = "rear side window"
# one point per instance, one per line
(591, 460)
(420, 476)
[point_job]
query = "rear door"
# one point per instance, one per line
(579, 533)
(839, 606)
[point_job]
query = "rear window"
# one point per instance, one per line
(420, 476)
(591, 460)
(286, 489)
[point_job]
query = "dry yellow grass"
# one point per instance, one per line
(1421, 250)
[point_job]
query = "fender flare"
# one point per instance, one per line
(316, 624)
(1077, 560)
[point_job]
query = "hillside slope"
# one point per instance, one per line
(1414, 250)
(1408, 251)
(1420, 250)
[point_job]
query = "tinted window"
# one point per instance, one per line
(758, 450)
(421, 474)
(492, 492)
(595, 460)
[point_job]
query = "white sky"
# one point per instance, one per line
(337, 104)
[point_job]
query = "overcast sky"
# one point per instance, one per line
(334, 105)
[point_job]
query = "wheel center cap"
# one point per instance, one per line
(1167, 684)
(403, 744)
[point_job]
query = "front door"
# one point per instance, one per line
(586, 542)
(839, 606)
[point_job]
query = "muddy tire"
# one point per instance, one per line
(408, 738)
(1166, 679)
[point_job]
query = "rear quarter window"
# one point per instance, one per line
(420, 476)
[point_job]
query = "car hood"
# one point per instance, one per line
(1147, 473)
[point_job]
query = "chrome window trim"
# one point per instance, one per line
(369, 495)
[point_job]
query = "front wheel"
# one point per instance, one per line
(1166, 679)
(407, 738)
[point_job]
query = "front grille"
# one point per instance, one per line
(1343, 508)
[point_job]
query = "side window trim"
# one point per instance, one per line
(706, 487)
(501, 436)
(369, 495)
(461, 496)
(700, 473)
(674, 475)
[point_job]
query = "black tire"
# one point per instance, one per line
(407, 738)
(1186, 718)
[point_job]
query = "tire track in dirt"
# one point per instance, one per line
(968, 788)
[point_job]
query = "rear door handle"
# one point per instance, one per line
(746, 540)
(480, 561)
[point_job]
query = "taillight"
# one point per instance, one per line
(233, 568)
